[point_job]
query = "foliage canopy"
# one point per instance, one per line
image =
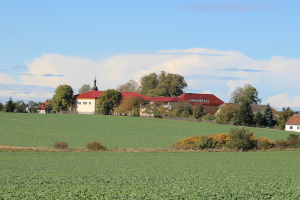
(108, 100)
(63, 98)
(246, 93)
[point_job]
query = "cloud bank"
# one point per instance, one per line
(205, 70)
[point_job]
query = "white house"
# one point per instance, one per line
(293, 124)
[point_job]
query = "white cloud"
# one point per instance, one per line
(209, 70)
(284, 100)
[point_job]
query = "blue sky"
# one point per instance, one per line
(46, 43)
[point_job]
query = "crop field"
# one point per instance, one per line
(180, 175)
(36, 130)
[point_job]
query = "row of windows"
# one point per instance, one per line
(200, 100)
(298, 127)
(84, 103)
(211, 108)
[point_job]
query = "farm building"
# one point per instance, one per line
(86, 103)
(42, 108)
(293, 124)
(210, 102)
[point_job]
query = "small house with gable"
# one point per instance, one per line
(293, 124)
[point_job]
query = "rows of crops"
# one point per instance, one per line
(62, 175)
(34, 130)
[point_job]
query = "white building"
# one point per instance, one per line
(293, 124)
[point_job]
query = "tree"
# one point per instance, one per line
(268, 116)
(148, 82)
(248, 93)
(245, 115)
(84, 88)
(228, 113)
(130, 86)
(9, 106)
(283, 117)
(20, 106)
(108, 100)
(131, 105)
(165, 84)
(198, 110)
(63, 98)
(156, 109)
(1, 107)
(32, 106)
(259, 119)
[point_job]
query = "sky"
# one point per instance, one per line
(217, 45)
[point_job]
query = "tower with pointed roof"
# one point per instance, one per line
(95, 86)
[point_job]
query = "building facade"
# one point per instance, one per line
(293, 124)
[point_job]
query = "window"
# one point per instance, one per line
(298, 127)
(90, 103)
(78, 103)
(206, 108)
(84, 103)
(291, 127)
(211, 109)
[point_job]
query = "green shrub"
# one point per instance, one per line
(185, 114)
(206, 142)
(60, 145)
(95, 146)
(241, 138)
(293, 136)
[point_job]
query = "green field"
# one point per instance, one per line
(210, 175)
(35, 130)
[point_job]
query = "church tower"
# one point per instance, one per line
(95, 86)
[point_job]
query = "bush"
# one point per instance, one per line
(241, 138)
(187, 143)
(95, 146)
(206, 142)
(293, 143)
(293, 136)
(60, 145)
(264, 143)
(185, 114)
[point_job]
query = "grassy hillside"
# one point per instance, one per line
(74, 175)
(35, 130)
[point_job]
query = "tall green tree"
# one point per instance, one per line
(164, 84)
(246, 93)
(259, 119)
(10, 106)
(268, 116)
(148, 82)
(84, 88)
(283, 117)
(108, 100)
(245, 115)
(63, 98)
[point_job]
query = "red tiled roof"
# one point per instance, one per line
(212, 99)
(165, 99)
(294, 120)
(93, 94)
(42, 107)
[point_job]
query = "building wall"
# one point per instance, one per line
(210, 109)
(295, 128)
(85, 105)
